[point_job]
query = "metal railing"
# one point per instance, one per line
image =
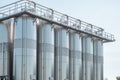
(50, 14)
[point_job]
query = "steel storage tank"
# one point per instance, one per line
(4, 52)
(75, 57)
(61, 53)
(99, 60)
(87, 58)
(24, 66)
(46, 51)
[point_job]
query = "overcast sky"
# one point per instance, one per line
(103, 13)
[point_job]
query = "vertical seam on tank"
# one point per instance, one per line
(14, 59)
(93, 59)
(43, 73)
(61, 54)
(82, 58)
(97, 61)
(83, 70)
(85, 60)
(15, 56)
(44, 54)
(26, 26)
(3, 55)
(73, 55)
(22, 52)
(3, 59)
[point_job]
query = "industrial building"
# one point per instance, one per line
(39, 43)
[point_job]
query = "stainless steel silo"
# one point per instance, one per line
(87, 58)
(61, 53)
(75, 56)
(24, 65)
(45, 51)
(99, 60)
(4, 52)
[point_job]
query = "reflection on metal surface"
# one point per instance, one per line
(24, 66)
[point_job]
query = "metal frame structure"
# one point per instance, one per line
(38, 11)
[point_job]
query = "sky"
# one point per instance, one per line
(102, 13)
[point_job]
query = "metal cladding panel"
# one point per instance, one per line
(4, 51)
(61, 54)
(24, 64)
(46, 52)
(99, 60)
(75, 57)
(87, 58)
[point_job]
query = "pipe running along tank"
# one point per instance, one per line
(87, 58)
(46, 51)
(95, 59)
(99, 60)
(75, 56)
(61, 53)
(4, 52)
(24, 66)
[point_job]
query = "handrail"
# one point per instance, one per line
(37, 9)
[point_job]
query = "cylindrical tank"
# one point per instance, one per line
(75, 57)
(61, 54)
(99, 60)
(45, 51)
(24, 66)
(88, 56)
(4, 52)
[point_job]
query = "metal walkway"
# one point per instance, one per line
(38, 11)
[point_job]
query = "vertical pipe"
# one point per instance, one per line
(83, 59)
(95, 59)
(10, 24)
